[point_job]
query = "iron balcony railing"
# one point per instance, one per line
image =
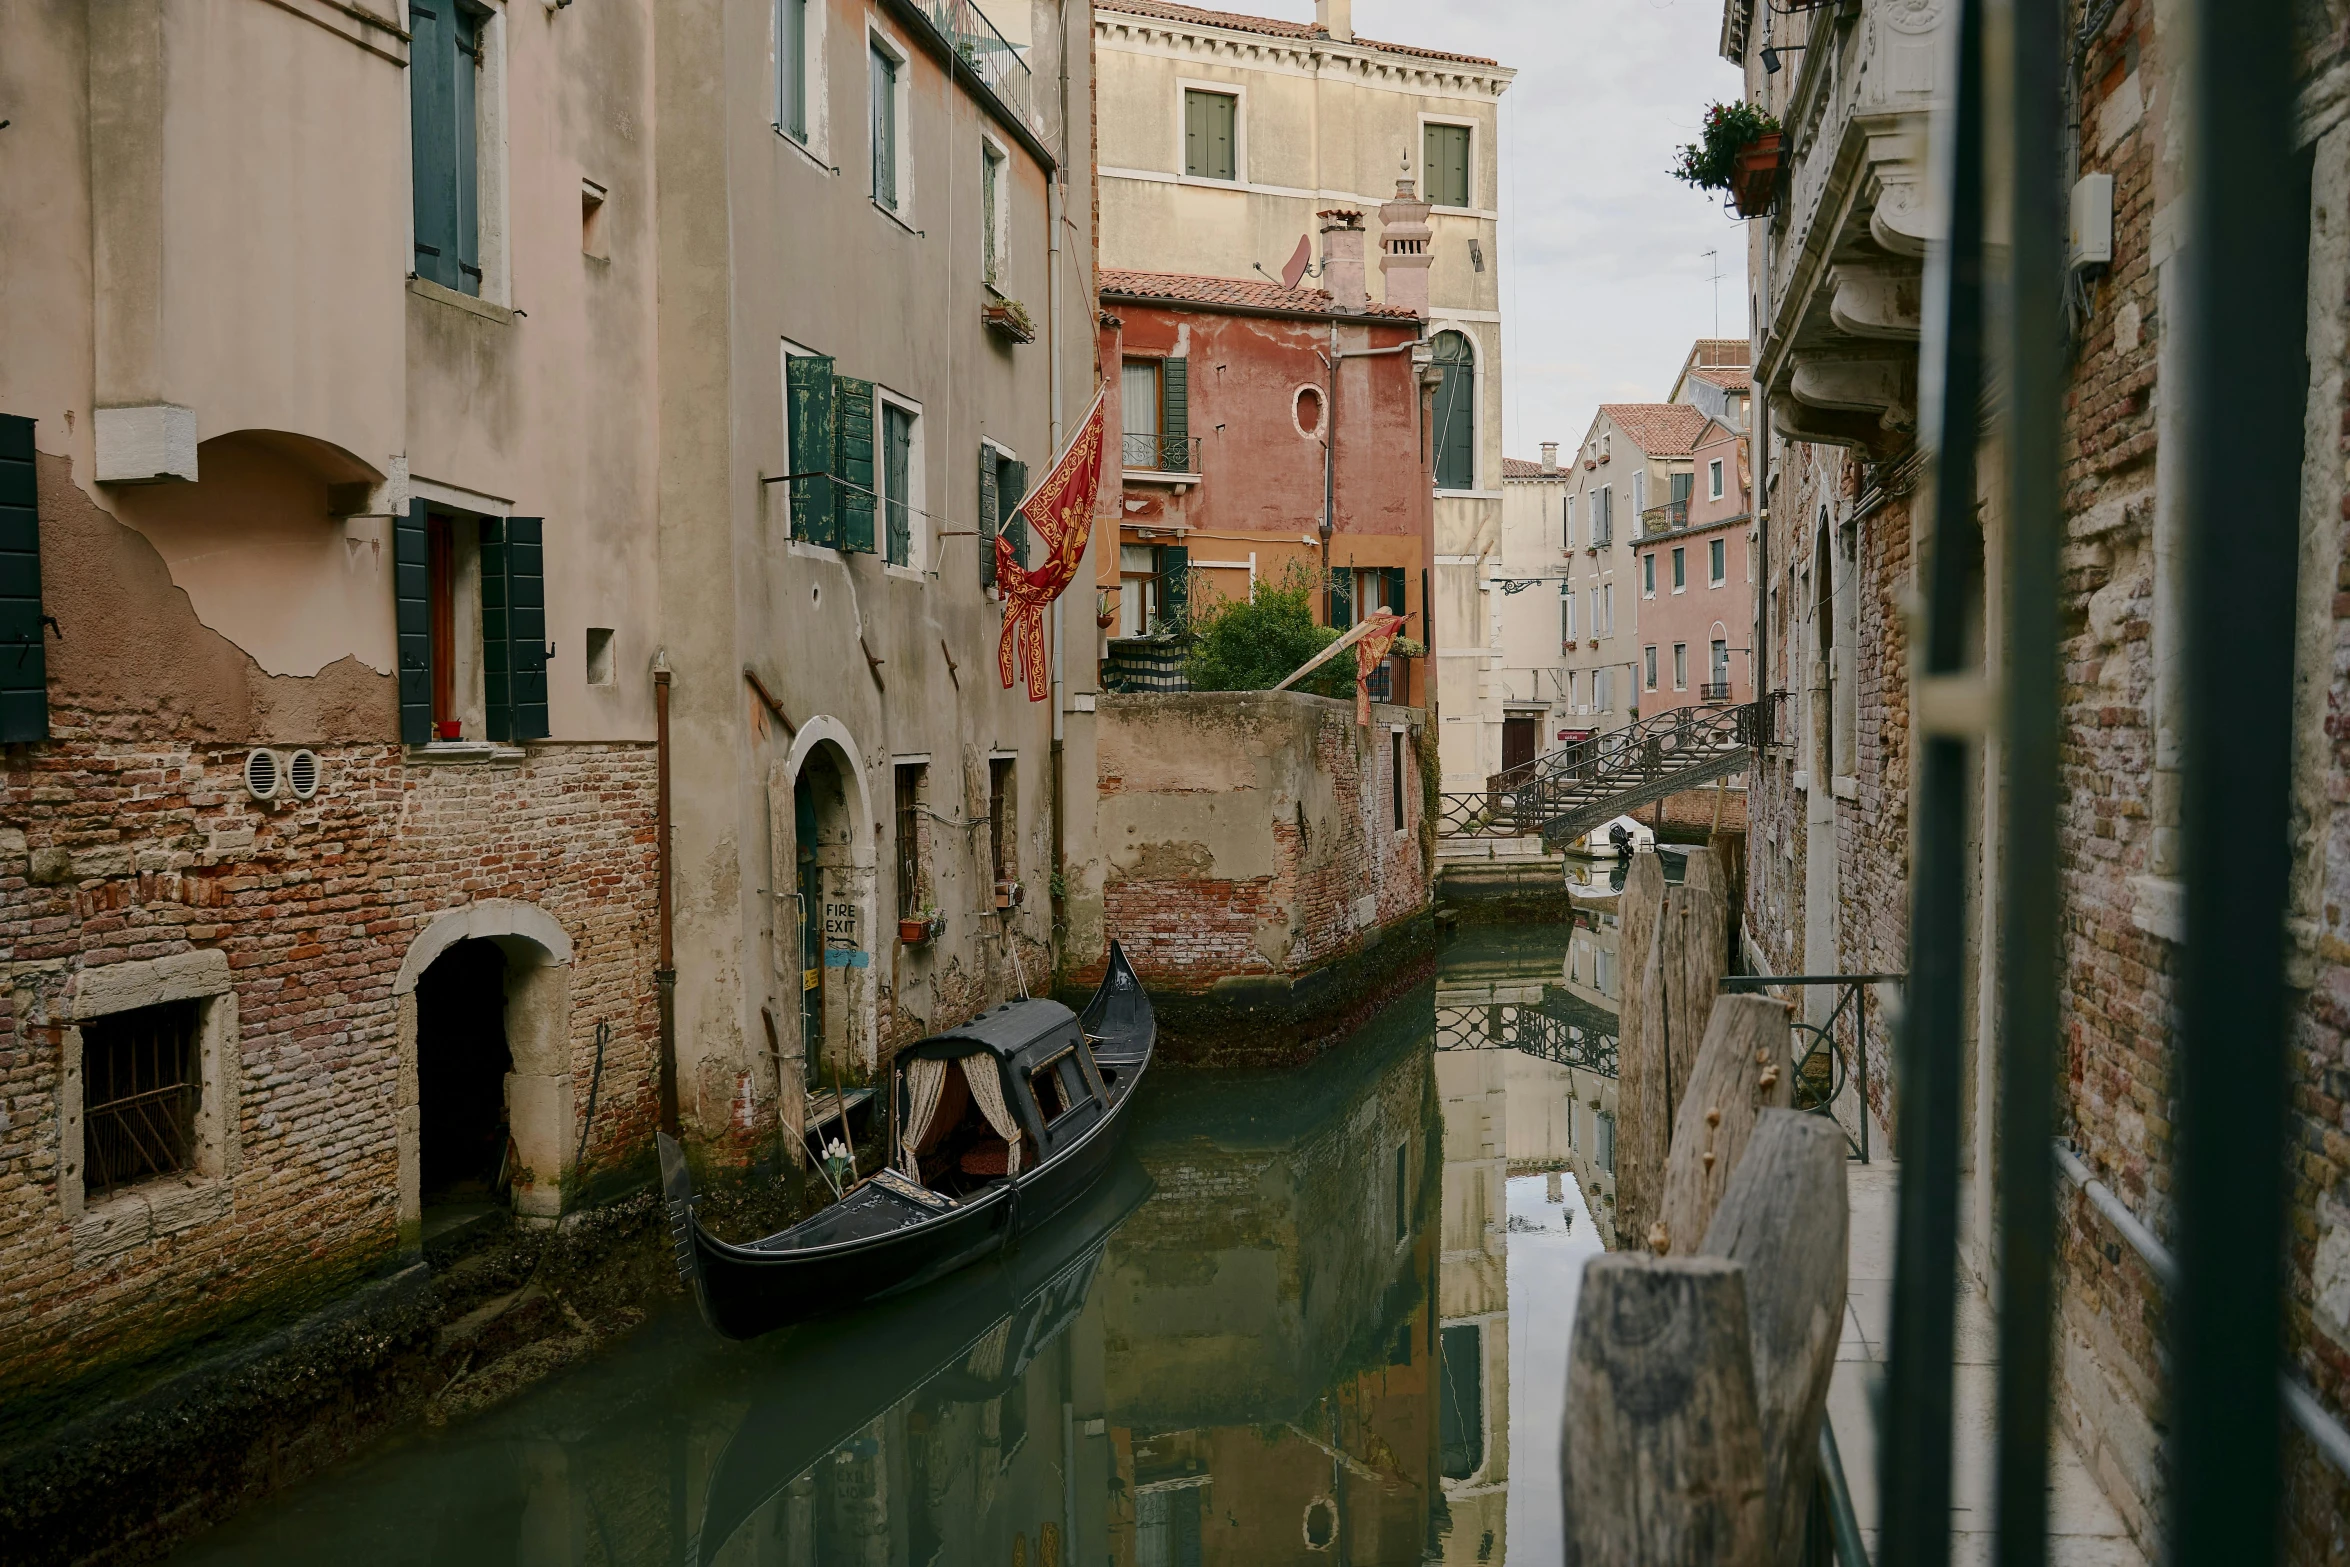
(1665, 518)
(1142, 452)
(994, 60)
(1715, 691)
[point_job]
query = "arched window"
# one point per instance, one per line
(1456, 413)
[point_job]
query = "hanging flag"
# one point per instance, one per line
(1386, 626)
(1060, 510)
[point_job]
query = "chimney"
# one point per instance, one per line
(1342, 259)
(1550, 456)
(1403, 250)
(1337, 18)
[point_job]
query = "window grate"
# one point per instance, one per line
(140, 1094)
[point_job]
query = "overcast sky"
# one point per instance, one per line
(1604, 276)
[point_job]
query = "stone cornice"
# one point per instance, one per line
(1239, 47)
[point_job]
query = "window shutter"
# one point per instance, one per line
(432, 123)
(1342, 597)
(1175, 396)
(412, 623)
(1223, 160)
(465, 77)
(988, 521)
(884, 89)
(24, 658)
(1195, 134)
(808, 386)
(514, 627)
(852, 467)
(1011, 490)
(1174, 584)
(1395, 589)
(897, 448)
(1681, 484)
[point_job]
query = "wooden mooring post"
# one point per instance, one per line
(1673, 945)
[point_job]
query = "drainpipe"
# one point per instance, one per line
(665, 971)
(1055, 199)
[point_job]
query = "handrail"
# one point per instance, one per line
(1843, 1522)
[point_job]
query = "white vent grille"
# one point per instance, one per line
(263, 776)
(304, 774)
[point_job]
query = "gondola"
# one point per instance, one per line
(1008, 1120)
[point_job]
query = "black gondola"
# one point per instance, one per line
(1008, 1120)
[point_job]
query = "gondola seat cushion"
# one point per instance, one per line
(989, 1156)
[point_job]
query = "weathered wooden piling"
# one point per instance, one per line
(1744, 1066)
(1674, 947)
(1661, 1455)
(1786, 1219)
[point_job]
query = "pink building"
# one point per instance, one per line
(1694, 582)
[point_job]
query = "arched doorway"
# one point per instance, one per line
(462, 1062)
(484, 1009)
(831, 887)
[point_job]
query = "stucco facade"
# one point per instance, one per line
(1324, 119)
(1524, 609)
(1696, 583)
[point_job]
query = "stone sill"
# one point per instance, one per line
(1158, 476)
(1846, 787)
(145, 1213)
(426, 288)
(451, 752)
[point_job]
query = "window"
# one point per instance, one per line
(1680, 569)
(1358, 593)
(831, 440)
(599, 655)
(1648, 575)
(1403, 1183)
(1460, 1418)
(791, 68)
(1648, 660)
(1211, 123)
(592, 236)
(1721, 667)
(1639, 493)
(911, 777)
(1154, 401)
(994, 197)
(1567, 523)
(1603, 690)
(141, 1091)
(1603, 516)
(1606, 1126)
(1445, 150)
(1002, 820)
(1456, 413)
(1138, 590)
(444, 81)
(1396, 758)
(1566, 614)
(24, 679)
(898, 469)
(1713, 479)
(1714, 563)
(1059, 1086)
(1003, 485)
(1680, 666)
(1607, 606)
(885, 71)
(470, 607)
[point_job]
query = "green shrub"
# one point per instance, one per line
(1711, 162)
(1253, 644)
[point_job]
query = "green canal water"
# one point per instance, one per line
(1319, 1317)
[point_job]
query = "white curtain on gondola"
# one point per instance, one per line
(926, 1082)
(987, 1091)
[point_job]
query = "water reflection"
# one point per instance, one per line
(1317, 1319)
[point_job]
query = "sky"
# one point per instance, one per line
(1604, 279)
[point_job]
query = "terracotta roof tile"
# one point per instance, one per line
(1728, 378)
(1520, 468)
(1265, 24)
(1659, 429)
(1722, 351)
(1183, 288)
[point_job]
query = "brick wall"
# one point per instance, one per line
(119, 851)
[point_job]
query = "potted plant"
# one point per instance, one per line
(921, 927)
(1009, 318)
(1737, 153)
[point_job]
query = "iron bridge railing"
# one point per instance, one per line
(1565, 793)
(1540, 1030)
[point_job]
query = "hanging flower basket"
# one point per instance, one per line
(1736, 153)
(1758, 176)
(1009, 318)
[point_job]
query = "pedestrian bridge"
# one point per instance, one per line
(1566, 793)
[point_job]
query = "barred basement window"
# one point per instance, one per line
(140, 1094)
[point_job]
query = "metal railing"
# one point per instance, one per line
(1146, 664)
(991, 57)
(1665, 518)
(1823, 1072)
(1564, 793)
(1560, 1031)
(1143, 452)
(1715, 691)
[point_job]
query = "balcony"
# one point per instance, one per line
(1714, 691)
(996, 62)
(1163, 459)
(1665, 518)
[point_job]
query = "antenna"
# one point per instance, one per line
(1715, 256)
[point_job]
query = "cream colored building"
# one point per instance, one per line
(1223, 136)
(1525, 604)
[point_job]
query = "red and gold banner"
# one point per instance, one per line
(1060, 511)
(1386, 626)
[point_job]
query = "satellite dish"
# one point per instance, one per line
(1297, 263)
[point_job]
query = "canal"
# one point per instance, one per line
(1318, 1316)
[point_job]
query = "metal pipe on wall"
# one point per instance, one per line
(665, 969)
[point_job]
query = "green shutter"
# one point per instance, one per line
(1456, 414)
(1445, 150)
(1195, 134)
(465, 76)
(432, 121)
(897, 456)
(791, 68)
(1342, 597)
(883, 87)
(988, 521)
(1208, 129)
(1395, 589)
(808, 389)
(24, 659)
(514, 627)
(1174, 585)
(412, 623)
(852, 463)
(1175, 415)
(1011, 490)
